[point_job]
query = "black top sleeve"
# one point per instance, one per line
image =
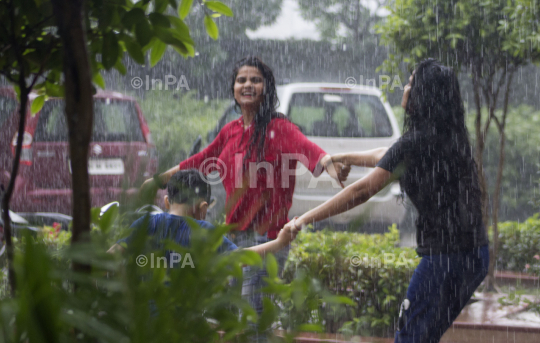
(393, 157)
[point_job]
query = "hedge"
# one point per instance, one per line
(519, 248)
(371, 270)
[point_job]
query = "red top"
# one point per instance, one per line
(255, 198)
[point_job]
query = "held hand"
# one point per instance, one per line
(406, 94)
(338, 171)
(288, 233)
(339, 161)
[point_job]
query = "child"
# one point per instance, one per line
(189, 196)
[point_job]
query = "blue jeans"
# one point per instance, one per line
(440, 287)
(253, 276)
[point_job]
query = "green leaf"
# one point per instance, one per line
(98, 80)
(94, 215)
(169, 36)
(268, 316)
(120, 67)
(219, 7)
(158, 19)
(134, 50)
(190, 50)
(111, 50)
(271, 266)
(184, 8)
(211, 27)
(161, 5)
(133, 17)
(54, 90)
(337, 299)
(183, 52)
(17, 90)
(157, 52)
(107, 219)
(182, 30)
(173, 4)
(250, 258)
(143, 32)
(37, 104)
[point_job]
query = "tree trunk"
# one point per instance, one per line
(12, 178)
(479, 149)
(490, 284)
(79, 111)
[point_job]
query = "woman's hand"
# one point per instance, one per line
(287, 234)
(338, 170)
(150, 187)
(407, 92)
(368, 158)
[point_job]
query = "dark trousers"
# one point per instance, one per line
(440, 287)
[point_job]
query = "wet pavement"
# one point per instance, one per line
(484, 320)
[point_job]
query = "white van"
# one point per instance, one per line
(338, 118)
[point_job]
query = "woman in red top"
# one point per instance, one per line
(256, 156)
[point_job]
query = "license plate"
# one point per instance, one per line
(104, 166)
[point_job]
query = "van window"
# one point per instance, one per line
(114, 121)
(7, 107)
(339, 115)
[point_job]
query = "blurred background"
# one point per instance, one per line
(307, 41)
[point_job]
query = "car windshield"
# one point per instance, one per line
(339, 115)
(114, 121)
(7, 108)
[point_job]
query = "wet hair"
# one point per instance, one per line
(187, 186)
(435, 109)
(267, 110)
(435, 103)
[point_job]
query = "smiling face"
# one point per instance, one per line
(249, 87)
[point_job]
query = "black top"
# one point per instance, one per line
(441, 181)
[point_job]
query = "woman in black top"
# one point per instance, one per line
(435, 167)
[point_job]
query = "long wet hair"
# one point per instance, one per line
(435, 110)
(267, 110)
(435, 103)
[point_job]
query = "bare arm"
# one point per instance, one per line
(352, 196)
(284, 238)
(116, 248)
(368, 158)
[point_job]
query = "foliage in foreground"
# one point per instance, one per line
(121, 301)
(370, 270)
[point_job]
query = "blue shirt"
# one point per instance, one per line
(169, 226)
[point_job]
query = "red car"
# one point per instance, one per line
(122, 153)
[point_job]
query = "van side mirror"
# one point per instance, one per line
(196, 146)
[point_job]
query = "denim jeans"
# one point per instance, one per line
(440, 287)
(254, 276)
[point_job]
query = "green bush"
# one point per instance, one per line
(176, 119)
(519, 248)
(370, 270)
(121, 301)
